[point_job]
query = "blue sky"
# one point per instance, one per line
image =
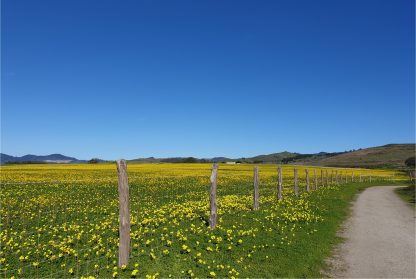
(130, 79)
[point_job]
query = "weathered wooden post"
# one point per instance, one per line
(322, 178)
(256, 188)
(352, 177)
(412, 176)
(316, 179)
(279, 184)
(307, 180)
(213, 197)
(296, 181)
(327, 178)
(346, 176)
(336, 177)
(124, 229)
(332, 176)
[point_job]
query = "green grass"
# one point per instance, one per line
(310, 251)
(310, 243)
(407, 194)
(70, 229)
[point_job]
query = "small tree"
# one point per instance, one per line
(410, 162)
(93, 161)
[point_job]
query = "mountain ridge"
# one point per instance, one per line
(54, 158)
(389, 156)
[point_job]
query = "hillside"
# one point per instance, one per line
(52, 158)
(270, 158)
(386, 156)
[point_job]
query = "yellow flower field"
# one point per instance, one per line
(62, 220)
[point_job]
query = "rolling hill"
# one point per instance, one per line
(52, 159)
(386, 156)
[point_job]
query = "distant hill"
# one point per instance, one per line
(51, 159)
(151, 160)
(270, 158)
(386, 156)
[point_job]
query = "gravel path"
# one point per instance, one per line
(380, 238)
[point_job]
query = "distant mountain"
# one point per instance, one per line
(6, 158)
(386, 156)
(171, 160)
(270, 158)
(52, 159)
(221, 159)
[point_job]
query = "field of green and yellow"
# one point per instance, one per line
(61, 221)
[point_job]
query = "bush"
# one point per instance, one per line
(410, 162)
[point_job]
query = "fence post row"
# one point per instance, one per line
(296, 181)
(213, 197)
(256, 188)
(279, 184)
(124, 230)
(123, 189)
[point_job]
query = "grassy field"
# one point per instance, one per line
(407, 194)
(62, 221)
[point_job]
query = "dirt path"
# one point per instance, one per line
(380, 238)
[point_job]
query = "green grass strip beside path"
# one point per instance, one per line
(306, 258)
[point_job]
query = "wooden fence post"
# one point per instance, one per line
(332, 176)
(316, 179)
(327, 178)
(322, 178)
(213, 197)
(124, 229)
(279, 184)
(256, 188)
(346, 177)
(352, 177)
(412, 176)
(307, 180)
(336, 176)
(296, 181)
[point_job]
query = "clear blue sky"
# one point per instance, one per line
(130, 79)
